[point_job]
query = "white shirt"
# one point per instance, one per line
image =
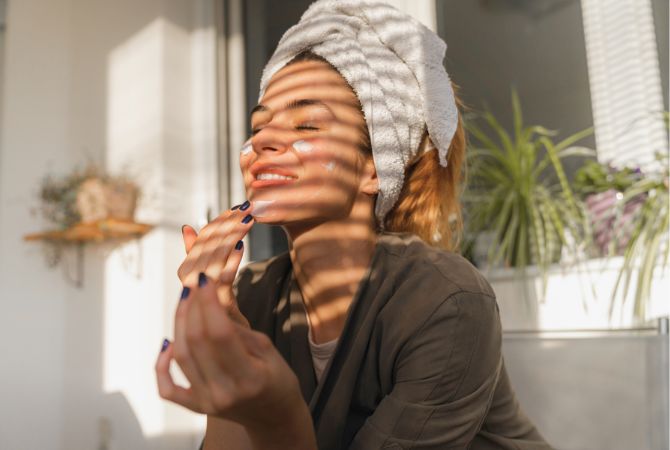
(321, 353)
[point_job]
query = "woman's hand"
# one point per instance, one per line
(235, 372)
(217, 251)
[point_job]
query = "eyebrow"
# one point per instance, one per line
(292, 105)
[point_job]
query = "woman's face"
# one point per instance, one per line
(307, 127)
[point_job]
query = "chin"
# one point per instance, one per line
(281, 220)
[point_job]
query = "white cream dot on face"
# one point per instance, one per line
(261, 206)
(303, 146)
(329, 166)
(246, 148)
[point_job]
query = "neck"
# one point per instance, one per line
(329, 261)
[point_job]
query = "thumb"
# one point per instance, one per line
(189, 235)
(256, 342)
(229, 302)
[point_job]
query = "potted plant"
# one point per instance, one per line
(630, 216)
(600, 186)
(87, 196)
(517, 194)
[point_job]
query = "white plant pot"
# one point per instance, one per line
(578, 297)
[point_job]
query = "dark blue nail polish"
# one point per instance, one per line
(247, 219)
(239, 245)
(202, 279)
(235, 207)
(185, 292)
(245, 206)
(165, 345)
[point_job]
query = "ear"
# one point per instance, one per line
(369, 180)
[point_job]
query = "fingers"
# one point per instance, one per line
(167, 388)
(197, 259)
(182, 350)
(228, 272)
(224, 334)
(189, 235)
(225, 291)
(214, 245)
(224, 362)
(228, 255)
(203, 344)
(227, 299)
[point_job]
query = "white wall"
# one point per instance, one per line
(122, 84)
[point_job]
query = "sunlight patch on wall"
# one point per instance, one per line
(148, 137)
(625, 81)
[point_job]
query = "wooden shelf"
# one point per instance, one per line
(99, 231)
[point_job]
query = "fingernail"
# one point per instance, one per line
(247, 219)
(202, 279)
(239, 245)
(165, 345)
(184, 293)
(245, 206)
(182, 229)
(235, 207)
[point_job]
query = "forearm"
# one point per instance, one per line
(224, 434)
(295, 431)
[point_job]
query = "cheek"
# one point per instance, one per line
(245, 152)
(303, 146)
(246, 149)
(317, 152)
(330, 166)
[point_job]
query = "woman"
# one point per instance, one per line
(370, 331)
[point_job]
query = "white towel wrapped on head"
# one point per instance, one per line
(394, 64)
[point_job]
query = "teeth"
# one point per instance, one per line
(272, 176)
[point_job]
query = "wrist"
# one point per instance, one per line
(293, 430)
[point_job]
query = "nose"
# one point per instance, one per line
(271, 139)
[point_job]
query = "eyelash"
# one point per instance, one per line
(304, 127)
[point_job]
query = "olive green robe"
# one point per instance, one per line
(418, 364)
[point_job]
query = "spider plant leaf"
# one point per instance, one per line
(538, 236)
(518, 117)
(558, 167)
(625, 273)
(576, 151)
(646, 275)
(568, 141)
(480, 135)
(539, 130)
(637, 188)
(505, 235)
(551, 209)
(504, 137)
(566, 152)
(522, 249)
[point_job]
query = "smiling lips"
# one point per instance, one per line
(270, 178)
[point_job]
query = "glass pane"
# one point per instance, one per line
(534, 46)
(661, 18)
(265, 23)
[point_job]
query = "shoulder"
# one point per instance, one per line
(433, 289)
(445, 272)
(442, 322)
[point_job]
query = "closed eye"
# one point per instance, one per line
(299, 127)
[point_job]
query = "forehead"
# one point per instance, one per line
(312, 80)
